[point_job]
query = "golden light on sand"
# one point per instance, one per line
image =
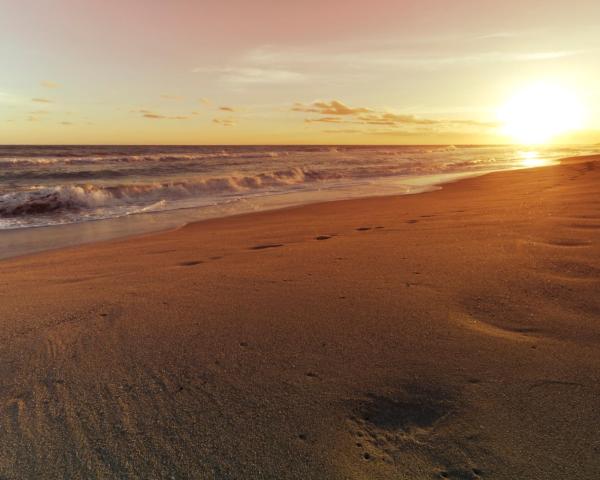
(540, 112)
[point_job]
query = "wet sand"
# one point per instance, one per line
(452, 334)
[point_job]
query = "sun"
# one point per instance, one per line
(540, 112)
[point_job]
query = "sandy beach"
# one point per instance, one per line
(451, 334)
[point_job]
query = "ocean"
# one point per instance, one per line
(160, 186)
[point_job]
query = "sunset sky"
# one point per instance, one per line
(277, 72)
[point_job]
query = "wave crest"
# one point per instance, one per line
(45, 200)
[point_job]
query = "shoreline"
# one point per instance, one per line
(180, 218)
(22, 241)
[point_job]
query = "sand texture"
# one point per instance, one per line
(452, 334)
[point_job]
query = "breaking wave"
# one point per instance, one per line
(43, 200)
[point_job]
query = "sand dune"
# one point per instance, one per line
(452, 334)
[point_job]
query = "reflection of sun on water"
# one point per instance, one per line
(539, 113)
(532, 159)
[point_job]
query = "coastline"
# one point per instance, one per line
(40, 239)
(452, 334)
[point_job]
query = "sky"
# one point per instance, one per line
(290, 72)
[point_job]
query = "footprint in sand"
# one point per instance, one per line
(585, 217)
(190, 263)
(363, 229)
(568, 242)
(387, 427)
(412, 221)
(266, 245)
(323, 237)
(413, 411)
(461, 474)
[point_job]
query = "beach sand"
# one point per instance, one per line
(452, 334)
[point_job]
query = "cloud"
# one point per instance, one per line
(157, 116)
(252, 74)
(370, 116)
(324, 120)
(474, 123)
(393, 119)
(377, 58)
(32, 118)
(433, 61)
(204, 101)
(341, 114)
(335, 107)
(226, 109)
(49, 84)
(41, 100)
(225, 122)
(66, 123)
(39, 112)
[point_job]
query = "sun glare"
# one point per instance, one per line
(532, 159)
(540, 112)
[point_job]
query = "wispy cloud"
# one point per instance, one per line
(367, 116)
(494, 35)
(227, 109)
(387, 118)
(225, 122)
(323, 120)
(346, 63)
(158, 116)
(334, 107)
(42, 100)
(49, 84)
(338, 60)
(252, 74)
